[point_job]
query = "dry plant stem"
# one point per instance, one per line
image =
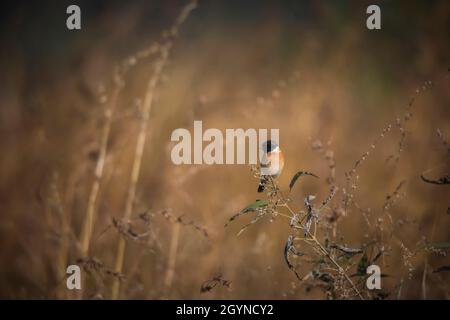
(93, 195)
(147, 106)
(424, 280)
(316, 242)
(327, 254)
(64, 240)
(172, 257)
(109, 112)
(89, 222)
(88, 226)
(341, 270)
(425, 268)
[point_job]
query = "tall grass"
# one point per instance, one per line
(142, 136)
(87, 177)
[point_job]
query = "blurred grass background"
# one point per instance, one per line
(310, 68)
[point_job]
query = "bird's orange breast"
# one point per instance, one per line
(275, 162)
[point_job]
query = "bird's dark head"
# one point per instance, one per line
(269, 146)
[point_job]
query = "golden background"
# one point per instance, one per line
(309, 68)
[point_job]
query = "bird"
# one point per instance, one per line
(272, 163)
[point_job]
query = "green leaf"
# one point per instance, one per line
(250, 208)
(363, 264)
(298, 175)
(346, 250)
(442, 180)
(440, 245)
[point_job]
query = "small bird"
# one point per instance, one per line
(272, 163)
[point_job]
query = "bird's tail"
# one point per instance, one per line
(262, 184)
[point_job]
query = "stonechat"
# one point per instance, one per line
(272, 163)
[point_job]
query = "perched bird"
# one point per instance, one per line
(272, 163)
